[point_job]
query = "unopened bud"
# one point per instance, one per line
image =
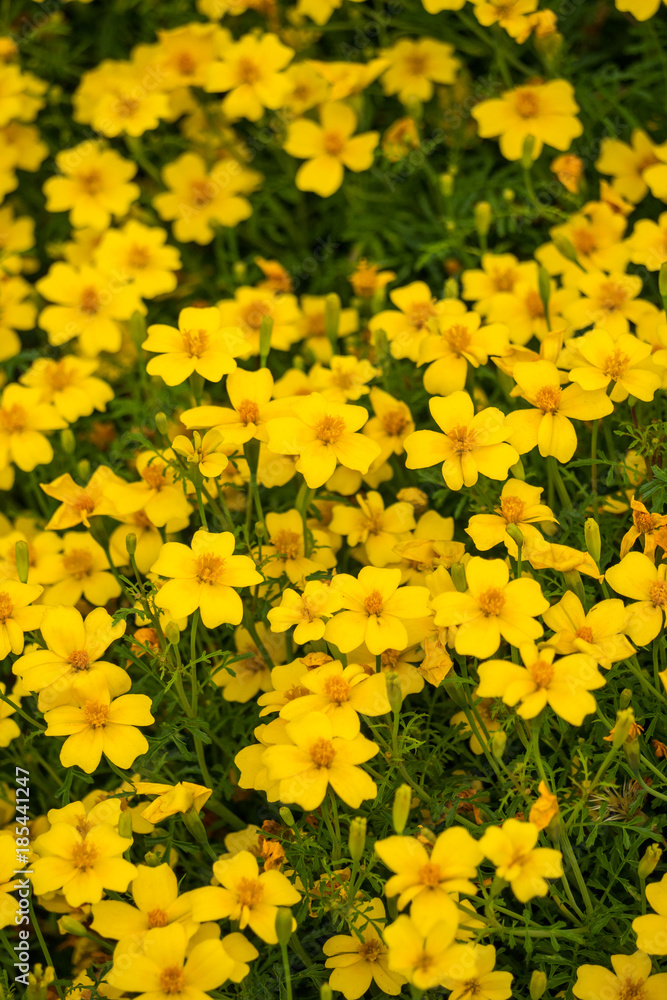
(380, 341)
(326, 993)
(573, 582)
(260, 531)
(283, 925)
(152, 859)
(68, 441)
(498, 743)
(458, 575)
(38, 982)
(72, 926)
(482, 214)
(544, 287)
(265, 332)
(394, 693)
(592, 536)
(509, 195)
(287, 817)
(357, 838)
(632, 752)
(22, 556)
(518, 471)
(125, 823)
(401, 808)
(625, 720)
(332, 319)
(446, 184)
(515, 533)
(194, 824)
(527, 152)
(172, 633)
(451, 290)
(83, 469)
(538, 984)
(566, 248)
(162, 424)
(240, 270)
(626, 698)
(649, 861)
(131, 543)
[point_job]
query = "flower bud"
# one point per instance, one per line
(626, 698)
(401, 808)
(394, 693)
(482, 214)
(71, 926)
(125, 823)
(240, 270)
(527, 152)
(458, 575)
(625, 720)
(265, 331)
(38, 982)
(518, 471)
(287, 817)
(538, 984)
(22, 555)
(332, 319)
(260, 531)
(131, 543)
(194, 825)
(357, 838)
(283, 925)
(83, 469)
(592, 536)
(152, 859)
(515, 533)
(447, 184)
(68, 441)
(509, 195)
(451, 290)
(381, 342)
(649, 861)
(498, 743)
(632, 752)
(566, 248)
(326, 993)
(573, 582)
(172, 633)
(161, 423)
(138, 328)
(544, 287)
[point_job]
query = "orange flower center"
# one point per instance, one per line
(322, 752)
(492, 601)
(153, 474)
(424, 962)
(79, 659)
(583, 241)
(78, 563)
(390, 658)
(288, 544)
(462, 438)
(415, 63)
(202, 193)
(534, 305)
(96, 714)
(471, 988)
(527, 104)
(633, 989)
(59, 376)
(371, 950)
(548, 398)
(615, 364)
(643, 522)
(172, 980)
(393, 422)
(337, 690)
(329, 429)
(138, 256)
(334, 143)
(84, 855)
(185, 63)
(373, 602)
(91, 181)
(249, 891)
(248, 411)
(253, 314)
(298, 691)
(6, 606)
(248, 70)
(13, 419)
(505, 280)
(458, 337)
(84, 502)
(157, 918)
(657, 593)
(512, 509)
(126, 106)
(195, 342)
(90, 301)
(210, 568)
(584, 633)
(419, 313)
(542, 673)
(612, 296)
(430, 874)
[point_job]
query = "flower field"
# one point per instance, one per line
(333, 499)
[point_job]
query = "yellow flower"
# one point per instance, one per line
(596, 236)
(157, 904)
(250, 395)
(623, 360)
(328, 148)
(203, 576)
(469, 444)
(648, 243)
(69, 385)
(79, 503)
(322, 434)
(645, 526)
(390, 426)
(126, 106)
(16, 615)
(23, 420)
(498, 274)
(511, 848)
(519, 505)
(139, 254)
(368, 953)
(458, 343)
(74, 649)
(485, 726)
(344, 379)
(209, 453)
(477, 980)
(636, 577)
(651, 929)
(315, 759)
(407, 328)
(545, 111)
(509, 15)
(627, 163)
(341, 693)
(542, 554)
(427, 881)
(564, 684)
(157, 494)
(348, 376)
(15, 314)
(641, 9)
(285, 550)
(9, 864)
(249, 307)
(544, 809)
(199, 345)
(422, 953)
(171, 799)
(198, 198)
(415, 65)
(631, 978)
(250, 71)
(306, 610)
(378, 528)
(376, 609)
(367, 279)
(569, 170)
(79, 866)
(598, 632)
(98, 725)
(607, 302)
(548, 425)
(9, 729)
(94, 183)
(493, 607)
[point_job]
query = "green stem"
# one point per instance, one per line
(554, 474)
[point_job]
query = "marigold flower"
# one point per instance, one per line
(544, 809)
(250, 395)
(328, 148)
(623, 360)
(81, 867)
(367, 279)
(202, 576)
(15, 314)
(636, 577)
(631, 977)
(368, 952)
(9, 866)
(477, 980)
(16, 615)
(156, 904)
(460, 340)
(511, 848)
(390, 426)
(564, 684)
(519, 505)
(376, 527)
(641, 9)
(251, 674)
(285, 550)
(306, 611)
(341, 693)
(415, 65)
(23, 420)
(600, 632)
(651, 929)
(409, 326)
(79, 503)
(171, 799)
(199, 345)
(157, 494)
(93, 182)
(545, 111)
(69, 385)
(569, 170)
(627, 163)
(250, 70)
(422, 953)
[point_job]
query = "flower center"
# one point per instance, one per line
(337, 690)
(419, 313)
(59, 375)
(195, 342)
(79, 659)
(90, 301)
(202, 193)
(298, 691)
(657, 593)
(390, 658)
(527, 104)
(172, 980)
(322, 752)
(424, 962)
(585, 633)
(253, 314)
(157, 918)
(153, 474)
(393, 422)
(633, 989)
(91, 182)
(512, 509)
(138, 256)
(430, 875)
(78, 563)
(462, 438)
(615, 364)
(84, 502)
(248, 411)
(643, 522)
(415, 63)
(126, 106)
(371, 950)
(96, 714)
(492, 601)
(548, 398)
(505, 280)
(288, 544)
(334, 143)
(612, 296)
(329, 429)
(373, 602)
(210, 568)
(471, 988)
(534, 305)
(6, 607)
(458, 338)
(542, 673)
(583, 241)
(13, 419)
(248, 71)
(83, 856)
